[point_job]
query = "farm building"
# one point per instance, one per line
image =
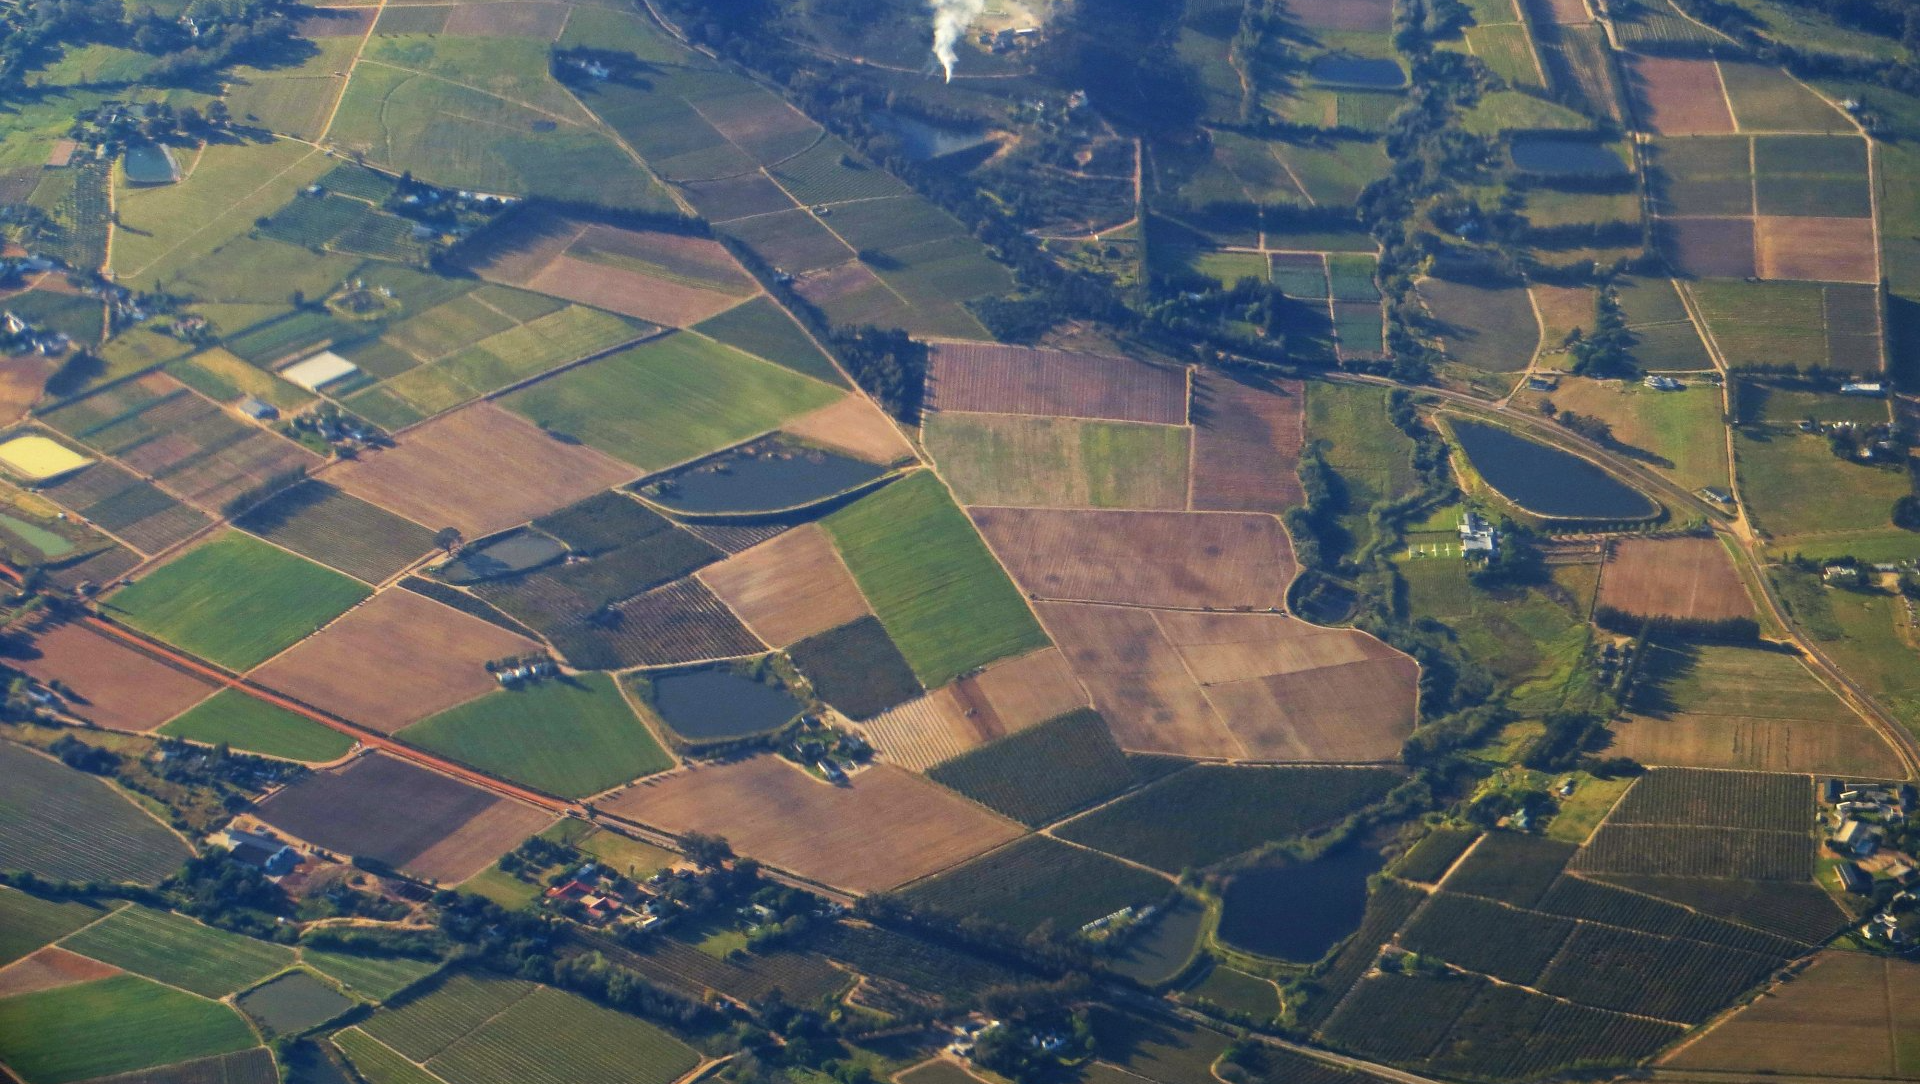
(258, 410)
(1853, 879)
(1872, 389)
(1477, 535)
(1857, 837)
(262, 851)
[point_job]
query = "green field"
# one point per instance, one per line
(1511, 111)
(1039, 880)
(669, 400)
(226, 187)
(942, 597)
(377, 1063)
(1534, 639)
(252, 725)
(1509, 52)
(506, 357)
(1371, 456)
(571, 736)
(1794, 485)
(1019, 460)
(376, 977)
(1764, 323)
(68, 826)
(27, 923)
(180, 952)
(1042, 773)
(761, 328)
(1237, 991)
(112, 1026)
(1244, 807)
(1679, 433)
(1488, 327)
(236, 600)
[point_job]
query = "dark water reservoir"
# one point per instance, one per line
(510, 554)
(760, 477)
(1345, 70)
(718, 702)
(1297, 911)
(1567, 157)
(1547, 481)
(150, 163)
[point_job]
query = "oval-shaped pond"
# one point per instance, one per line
(764, 476)
(1567, 157)
(510, 554)
(1547, 481)
(1296, 911)
(718, 702)
(1347, 70)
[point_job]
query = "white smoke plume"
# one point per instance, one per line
(950, 20)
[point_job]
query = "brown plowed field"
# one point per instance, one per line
(1845, 1016)
(1138, 682)
(1834, 746)
(1293, 691)
(50, 968)
(630, 293)
(1219, 560)
(395, 660)
(120, 688)
(337, 23)
(1563, 12)
(855, 426)
(1816, 249)
(925, 731)
(1011, 695)
(480, 469)
(789, 588)
(1246, 444)
(1709, 247)
(1023, 380)
(22, 381)
(1026, 691)
(508, 19)
(1253, 686)
(1674, 577)
(1343, 14)
(884, 828)
(1674, 97)
(427, 824)
(517, 252)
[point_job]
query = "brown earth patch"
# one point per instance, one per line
(1023, 380)
(23, 379)
(1816, 249)
(1343, 14)
(924, 731)
(1674, 577)
(392, 661)
(1028, 690)
(1825, 746)
(885, 827)
(836, 283)
(1247, 436)
(630, 293)
(764, 126)
(1709, 247)
(706, 262)
(516, 252)
(1009, 696)
(1137, 680)
(480, 468)
(50, 968)
(1676, 97)
(337, 23)
(1202, 560)
(430, 825)
(853, 425)
(789, 588)
(1843, 1016)
(508, 19)
(119, 687)
(1562, 12)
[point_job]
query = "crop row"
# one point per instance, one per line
(1040, 774)
(1718, 799)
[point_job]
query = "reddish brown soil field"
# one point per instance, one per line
(396, 659)
(1343, 14)
(1816, 249)
(1217, 560)
(630, 293)
(698, 259)
(790, 588)
(22, 380)
(1564, 12)
(121, 688)
(1674, 577)
(508, 19)
(337, 23)
(1021, 380)
(480, 469)
(1675, 97)
(1845, 1016)
(1709, 247)
(1243, 686)
(1009, 696)
(515, 253)
(1836, 745)
(427, 824)
(50, 968)
(884, 828)
(1246, 444)
(855, 426)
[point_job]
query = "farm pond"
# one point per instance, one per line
(1547, 481)
(1297, 911)
(511, 553)
(716, 703)
(1347, 70)
(1567, 157)
(764, 476)
(150, 163)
